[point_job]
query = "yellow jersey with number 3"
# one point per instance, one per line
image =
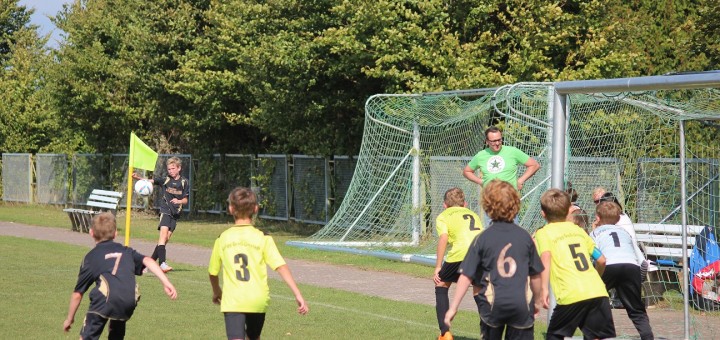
(573, 277)
(461, 225)
(243, 253)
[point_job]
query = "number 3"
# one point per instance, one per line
(243, 275)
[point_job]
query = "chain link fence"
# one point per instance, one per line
(302, 188)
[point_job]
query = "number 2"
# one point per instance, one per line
(243, 275)
(472, 221)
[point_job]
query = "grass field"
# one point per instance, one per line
(38, 277)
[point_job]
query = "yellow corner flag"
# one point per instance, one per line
(142, 157)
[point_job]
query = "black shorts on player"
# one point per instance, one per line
(239, 325)
(94, 324)
(450, 272)
(592, 316)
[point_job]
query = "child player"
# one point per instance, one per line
(243, 253)
(175, 192)
(500, 260)
(458, 226)
(622, 271)
(112, 267)
(567, 252)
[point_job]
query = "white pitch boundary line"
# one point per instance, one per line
(379, 316)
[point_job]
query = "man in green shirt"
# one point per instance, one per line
(501, 162)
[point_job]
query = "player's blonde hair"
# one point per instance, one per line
(104, 226)
(175, 161)
(555, 203)
(500, 201)
(608, 212)
(454, 197)
(243, 202)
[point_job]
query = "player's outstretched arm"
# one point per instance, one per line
(536, 288)
(462, 286)
(154, 268)
(439, 255)
(600, 264)
(284, 272)
(75, 299)
(545, 257)
(217, 291)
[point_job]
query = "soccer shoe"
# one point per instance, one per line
(165, 268)
(446, 336)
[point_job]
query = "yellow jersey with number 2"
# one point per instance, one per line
(462, 225)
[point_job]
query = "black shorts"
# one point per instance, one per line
(496, 333)
(94, 324)
(592, 316)
(450, 272)
(168, 221)
(238, 325)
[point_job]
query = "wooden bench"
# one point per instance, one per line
(99, 201)
(662, 243)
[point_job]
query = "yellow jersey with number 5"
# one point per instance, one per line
(573, 277)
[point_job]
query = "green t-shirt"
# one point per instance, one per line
(501, 165)
(242, 254)
(462, 225)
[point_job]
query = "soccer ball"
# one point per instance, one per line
(143, 187)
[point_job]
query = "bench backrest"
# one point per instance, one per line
(104, 199)
(664, 241)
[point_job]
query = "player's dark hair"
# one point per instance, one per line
(104, 226)
(580, 217)
(572, 192)
(491, 128)
(608, 212)
(454, 197)
(610, 197)
(500, 201)
(243, 201)
(555, 203)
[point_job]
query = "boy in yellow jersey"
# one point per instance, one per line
(458, 226)
(566, 252)
(243, 253)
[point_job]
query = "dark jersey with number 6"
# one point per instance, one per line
(112, 267)
(243, 254)
(500, 260)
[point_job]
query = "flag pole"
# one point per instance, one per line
(128, 205)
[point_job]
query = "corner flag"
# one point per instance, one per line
(141, 155)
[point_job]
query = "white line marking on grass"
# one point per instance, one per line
(379, 316)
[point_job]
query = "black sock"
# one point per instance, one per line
(155, 253)
(442, 304)
(161, 253)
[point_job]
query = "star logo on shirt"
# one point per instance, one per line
(495, 164)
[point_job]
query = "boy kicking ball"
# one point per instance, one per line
(112, 267)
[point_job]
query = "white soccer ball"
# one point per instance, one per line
(143, 187)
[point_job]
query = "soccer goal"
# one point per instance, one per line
(644, 139)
